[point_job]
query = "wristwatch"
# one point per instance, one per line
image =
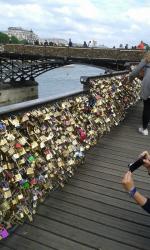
(132, 192)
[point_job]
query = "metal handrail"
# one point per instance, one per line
(24, 106)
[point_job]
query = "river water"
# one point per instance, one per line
(54, 82)
(64, 79)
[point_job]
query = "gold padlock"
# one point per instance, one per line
(30, 171)
(5, 166)
(3, 142)
(7, 194)
(11, 151)
(22, 151)
(21, 161)
(14, 201)
(25, 118)
(34, 145)
(20, 196)
(5, 148)
(5, 206)
(22, 141)
(18, 177)
(10, 137)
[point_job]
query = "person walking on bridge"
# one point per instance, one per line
(144, 68)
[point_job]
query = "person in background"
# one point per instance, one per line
(129, 186)
(70, 42)
(46, 43)
(36, 42)
(133, 47)
(51, 43)
(144, 67)
(94, 42)
(146, 46)
(84, 45)
(89, 44)
(141, 45)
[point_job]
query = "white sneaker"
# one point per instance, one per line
(143, 131)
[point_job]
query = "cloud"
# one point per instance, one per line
(109, 22)
(140, 15)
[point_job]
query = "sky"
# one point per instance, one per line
(109, 22)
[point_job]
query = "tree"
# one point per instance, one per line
(24, 41)
(14, 40)
(4, 38)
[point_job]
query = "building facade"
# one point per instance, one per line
(22, 34)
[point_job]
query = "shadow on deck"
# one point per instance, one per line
(93, 211)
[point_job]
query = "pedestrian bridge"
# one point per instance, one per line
(75, 53)
(19, 63)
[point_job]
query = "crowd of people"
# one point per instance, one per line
(141, 45)
(91, 44)
(85, 44)
(45, 43)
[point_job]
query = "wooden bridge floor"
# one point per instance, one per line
(93, 211)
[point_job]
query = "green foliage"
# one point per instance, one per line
(14, 40)
(4, 38)
(24, 41)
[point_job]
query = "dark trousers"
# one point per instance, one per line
(146, 113)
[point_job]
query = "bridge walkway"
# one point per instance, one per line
(93, 211)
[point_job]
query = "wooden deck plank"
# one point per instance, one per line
(114, 175)
(93, 211)
(17, 242)
(112, 157)
(96, 229)
(113, 201)
(47, 234)
(101, 207)
(111, 167)
(102, 182)
(5, 247)
(141, 172)
(75, 233)
(100, 189)
(107, 219)
(127, 155)
(2, 247)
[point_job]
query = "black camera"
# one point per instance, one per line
(135, 165)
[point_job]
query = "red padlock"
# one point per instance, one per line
(18, 145)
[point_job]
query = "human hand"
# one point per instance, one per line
(127, 181)
(146, 160)
(145, 153)
(147, 164)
